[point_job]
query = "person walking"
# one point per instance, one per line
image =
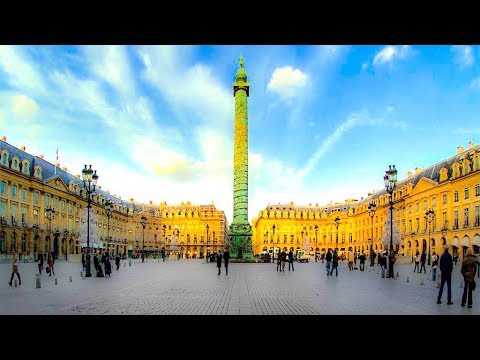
(355, 258)
(51, 263)
(226, 258)
(383, 263)
(434, 266)
(417, 262)
(468, 272)
(351, 257)
(279, 260)
(290, 259)
(143, 257)
(328, 259)
(372, 257)
(117, 260)
(283, 257)
(40, 263)
(219, 262)
(379, 257)
(391, 262)
(423, 259)
(362, 261)
(334, 263)
(15, 268)
(323, 256)
(446, 267)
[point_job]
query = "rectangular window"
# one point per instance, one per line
(3, 187)
(455, 196)
(55, 203)
(35, 197)
(47, 200)
(417, 223)
(410, 225)
(466, 193)
(3, 207)
(434, 202)
(13, 212)
(14, 191)
(444, 199)
(63, 205)
(35, 216)
(69, 207)
(444, 219)
(4, 159)
(24, 194)
(466, 213)
(455, 220)
(417, 207)
(410, 208)
(477, 190)
(424, 204)
(24, 214)
(477, 215)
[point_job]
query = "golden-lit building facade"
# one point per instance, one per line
(29, 185)
(449, 188)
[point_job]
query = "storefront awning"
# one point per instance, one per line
(454, 242)
(476, 240)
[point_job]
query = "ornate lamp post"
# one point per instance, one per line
(164, 228)
(372, 207)
(90, 178)
(108, 210)
(143, 221)
(208, 240)
(155, 243)
(429, 216)
(390, 180)
(49, 215)
(412, 237)
(337, 222)
(273, 244)
(316, 239)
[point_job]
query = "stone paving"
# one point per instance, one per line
(193, 287)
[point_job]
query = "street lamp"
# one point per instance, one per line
(208, 239)
(337, 222)
(372, 207)
(143, 221)
(429, 216)
(164, 228)
(49, 215)
(155, 243)
(109, 210)
(390, 180)
(316, 238)
(412, 238)
(89, 178)
(273, 244)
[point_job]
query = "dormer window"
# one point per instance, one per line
(38, 172)
(26, 167)
(15, 163)
(5, 158)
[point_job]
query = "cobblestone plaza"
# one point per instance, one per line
(192, 287)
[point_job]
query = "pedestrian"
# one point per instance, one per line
(226, 258)
(283, 257)
(328, 258)
(290, 259)
(143, 257)
(40, 263)
(379, 258)
(446, 267)
(362, 261)
(15, 268)
(383, 263)
(434, 266)
(117, 260)
(372, 257)
(279, 260)
(323, 256)
(417, 262)
(391, 262)
(84, 259)
(51, 263)
(468, 272)
(108, 264)
(355, 257)
(219, 262)
(334, 263)
(351, 257)
(423, 259)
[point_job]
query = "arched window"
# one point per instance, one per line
(26, 167)
(5, 158)
(3, 187)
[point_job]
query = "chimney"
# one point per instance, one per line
(4, 138)
(470, 144)
(316, 204)
(151, 202)
(57, 164)
(460, 149)
(410, 175)
(64, 168)
(418, 170)
(40, 156)
(77, 176)
(23, 148)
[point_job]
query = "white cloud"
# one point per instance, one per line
(365, 66)
(389, 53)
(22, 74)
(466, 132)
(390, 108)
(463, 55)
(475, 84)
(287, 82)
(23, 106)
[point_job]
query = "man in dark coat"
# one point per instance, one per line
(468, 272)
(423, 259)
(391, 262)
(334, 263)
(226, 257)
(117, 260)
(219, 262)
(290, 259)
(372, 258)
(328, 258)
(446, 267)
(40, 263)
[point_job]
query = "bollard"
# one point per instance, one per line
(15, 283)
(408, 278)
(38, 280)
(56, 281)
(70, 278)
(398, 274)
(422, 281)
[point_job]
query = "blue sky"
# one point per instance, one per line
(157, 121)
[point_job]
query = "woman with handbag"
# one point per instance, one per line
(15, 268)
